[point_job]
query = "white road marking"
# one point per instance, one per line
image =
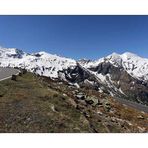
(6, 73)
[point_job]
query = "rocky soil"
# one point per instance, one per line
(41, 105)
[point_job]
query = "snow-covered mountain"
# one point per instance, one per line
(41, 63)
(124, 75)
(135, 65)
(47, 64)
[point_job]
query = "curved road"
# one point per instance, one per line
(134, 105)
(6, 73)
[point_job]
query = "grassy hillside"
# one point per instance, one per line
(35, 104)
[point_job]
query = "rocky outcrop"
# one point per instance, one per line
(117, 81)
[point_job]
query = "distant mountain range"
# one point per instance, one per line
(124, 76)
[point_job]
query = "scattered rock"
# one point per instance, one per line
(141, 129)
(107, 106)
(53, 108)
(89, 102)
(99, 103)
(87, 115)
(65, 95)
(107, 103)
(81, 96)
(140, 117)
(99, 112)
(60, 83)
(92, 100)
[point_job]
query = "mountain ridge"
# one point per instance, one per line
(127, 60)
(124, 76)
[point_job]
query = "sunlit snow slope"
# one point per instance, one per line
(40, 63)
(136, 66)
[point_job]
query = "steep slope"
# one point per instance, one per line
(121, 76)
(136, 66)
(35, 104)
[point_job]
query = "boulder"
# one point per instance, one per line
(107, 106)
(13, 77)
(80, 95)
(140, 117)
(20, 74)
(92, 100)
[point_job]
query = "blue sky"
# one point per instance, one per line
(77, 37)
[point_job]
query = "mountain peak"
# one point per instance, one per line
(129, 54)
(123, 57)
(125, 54)
(114, 55)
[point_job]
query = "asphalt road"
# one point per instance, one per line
(134, 105)
(6, 73)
